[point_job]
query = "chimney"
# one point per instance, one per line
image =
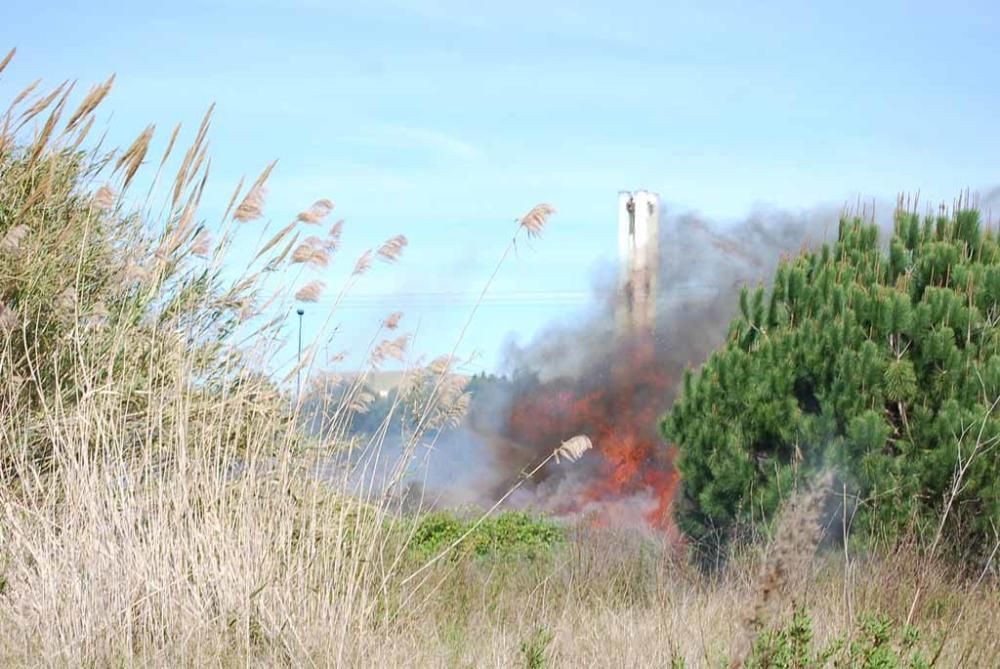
(638, 253)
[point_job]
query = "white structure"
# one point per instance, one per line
(638, 252)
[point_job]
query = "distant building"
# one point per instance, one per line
(638, 253)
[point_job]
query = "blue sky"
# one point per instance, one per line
(444, 121)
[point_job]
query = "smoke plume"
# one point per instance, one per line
(586, 378)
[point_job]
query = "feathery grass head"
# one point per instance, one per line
(361, 402)
(202, 244)
(317, 213)
(67, 300)
(336, 230)
(332, 242)
(573, 449)
(391, 321)
(534, 221)
(310, 292)
(6, 59)
(134, 272)
(390, 348)
(104, 198)
(252, 206)
(11, 241)
(99, 315)
(392, 249)
(788, 557)
(8, 319)
(132, 159)
(89, 103)
(440, 365)
(311, 252)
(363, 264)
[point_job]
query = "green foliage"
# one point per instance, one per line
(881, 366)
(533, 648)
(509, 534)
(98, 301)
(877, 643)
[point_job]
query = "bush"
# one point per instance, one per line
(884, 367)
(511, 534)
(94, 300)
(877, 643)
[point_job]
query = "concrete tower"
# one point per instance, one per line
(638, 252)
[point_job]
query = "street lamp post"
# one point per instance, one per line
(298, 381)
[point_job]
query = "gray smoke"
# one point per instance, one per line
(703, 265)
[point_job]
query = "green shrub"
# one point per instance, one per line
(533, 648)
(96, 300)
(883, 367)
(876, 644)
(514, 534)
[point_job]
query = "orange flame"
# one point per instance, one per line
(620, 415)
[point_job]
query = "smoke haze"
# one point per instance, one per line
(583, 377)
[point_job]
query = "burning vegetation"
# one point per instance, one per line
(630, 474)
(614, 375)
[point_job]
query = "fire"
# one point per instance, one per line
(619, 411)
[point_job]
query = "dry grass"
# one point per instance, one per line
(158, 506)
(609, 599)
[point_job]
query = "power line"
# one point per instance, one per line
(527, 297)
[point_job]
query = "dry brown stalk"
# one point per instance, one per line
(82, 134)
(280, 258)
(275, 240)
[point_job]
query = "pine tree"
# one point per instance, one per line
(883, 366)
